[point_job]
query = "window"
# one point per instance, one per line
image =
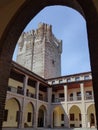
(53, 82)
(61, 95)
(62, 117)
(77, 78)
(60, 81)
(79, 116)
(86, 77)
(92, 119)
(5, 114)
(88, 93)
(29, 117)
(72, 117)
(68, 80)
(71, 97)
(19, 90)
(41, 96)
(53, 62)
(17, 116)
(78, 93)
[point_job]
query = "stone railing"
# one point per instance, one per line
(89, 97)
(58, 100)
(15, 90)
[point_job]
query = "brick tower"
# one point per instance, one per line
(40, 51)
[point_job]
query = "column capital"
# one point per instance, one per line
(26, 76)
(37, 82)
(65, 86)
(83, 113)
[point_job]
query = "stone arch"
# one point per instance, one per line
(19, 100)
(16, 25)
(42, 116)
(29, 115)
(91, 116)
(71, 105)
(12, 107)
(58, 115)
(75, 116)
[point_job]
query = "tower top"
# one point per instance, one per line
(44, 31)
(40, 51)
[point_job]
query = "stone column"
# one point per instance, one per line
(36, 109)
(25, 83)
(52, 118)
(82, 91)
(65, 93)
(83, 111)
(66, 120)
(84, 120)
(92, 93)
(49, 107)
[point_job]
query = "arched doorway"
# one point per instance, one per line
(25, 11)
(58, 117)
(91, 116)
(29, 115)
(75, 116)
(11, 113)
(42, 115)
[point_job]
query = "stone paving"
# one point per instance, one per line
(49, 129)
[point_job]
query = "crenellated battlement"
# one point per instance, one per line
(25, 35)
(40, 51)
(58, 43)
(43, 31)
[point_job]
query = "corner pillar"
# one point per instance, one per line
(49, 107)
(36, 109)
(22, 112)
(66, 119)
(83, 110)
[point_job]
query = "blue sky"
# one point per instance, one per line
(69, 26)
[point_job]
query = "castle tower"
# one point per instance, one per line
(40, 51)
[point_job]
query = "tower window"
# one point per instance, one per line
(53, 62)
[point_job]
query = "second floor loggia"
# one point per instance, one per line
(24, 82)
(73, 92)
